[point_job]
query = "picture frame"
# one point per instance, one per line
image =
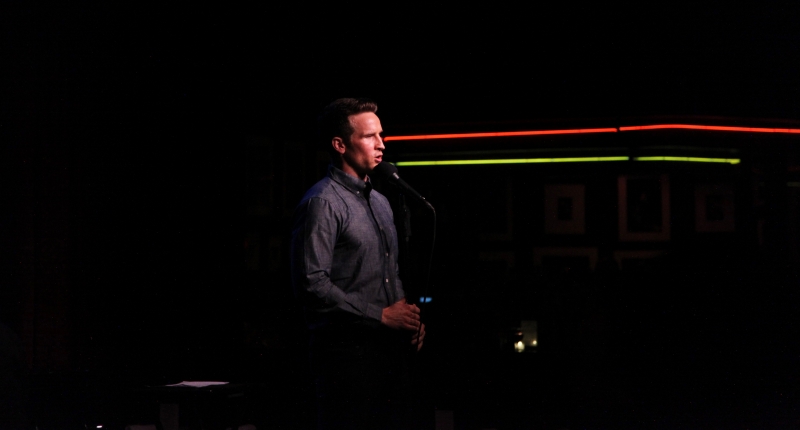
(506, 257)
(714, 208)
(499, 214)
(564, 209)
(584, 258)
(636, 258)
(260, 176)
(644, 210)
(294, 180)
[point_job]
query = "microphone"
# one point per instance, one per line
(388, 172)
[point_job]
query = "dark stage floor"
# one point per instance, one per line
(629, 389)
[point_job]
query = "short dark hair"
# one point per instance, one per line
(335, 119)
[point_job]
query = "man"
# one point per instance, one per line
(344, 269)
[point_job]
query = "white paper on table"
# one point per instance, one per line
(196, 384)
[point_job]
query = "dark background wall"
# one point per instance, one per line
(151, 158)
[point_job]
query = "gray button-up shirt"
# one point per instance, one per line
(344, 251)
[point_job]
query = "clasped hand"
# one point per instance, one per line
(402, 316)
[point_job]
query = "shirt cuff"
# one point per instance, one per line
(374, 312)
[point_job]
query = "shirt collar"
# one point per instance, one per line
(355, 185)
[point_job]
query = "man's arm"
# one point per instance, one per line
(313, 240)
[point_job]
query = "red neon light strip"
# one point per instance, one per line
(595, 130)
(710, 127)
(499, 134)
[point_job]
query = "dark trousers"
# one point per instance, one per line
(362, 377)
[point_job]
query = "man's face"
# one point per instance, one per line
(364, 149)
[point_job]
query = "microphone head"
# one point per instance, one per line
(386, 171)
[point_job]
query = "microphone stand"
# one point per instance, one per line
(406, 221)
(389, 172)
(406, 237)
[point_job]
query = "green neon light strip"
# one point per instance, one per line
(508, 161)
(562, 160)
(691, 159)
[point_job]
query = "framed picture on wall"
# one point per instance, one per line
(260, 176)
(565, 259)
(643, 208)
(496, 213)
(631, 260)
(564, 209)
(713, 208)
(506, 257)
(293, 179)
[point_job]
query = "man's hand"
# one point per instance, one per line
(401, 316)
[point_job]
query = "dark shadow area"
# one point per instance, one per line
(150, 161)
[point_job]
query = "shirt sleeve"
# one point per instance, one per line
(399, 290)
(316, 231)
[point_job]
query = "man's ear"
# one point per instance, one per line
(338, 145)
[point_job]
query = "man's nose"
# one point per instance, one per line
(381, 146)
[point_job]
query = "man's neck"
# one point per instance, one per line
(350, 171)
